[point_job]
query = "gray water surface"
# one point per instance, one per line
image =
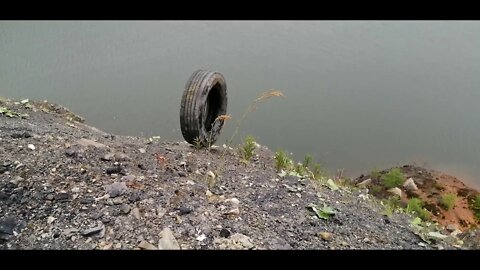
(360, 95)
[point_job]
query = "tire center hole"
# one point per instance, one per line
(213, 106)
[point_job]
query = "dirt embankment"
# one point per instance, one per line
(66, 185)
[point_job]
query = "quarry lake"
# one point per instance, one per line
(359, 95)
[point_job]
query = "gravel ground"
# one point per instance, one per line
(66, 185)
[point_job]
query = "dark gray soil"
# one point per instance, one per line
(66, 185)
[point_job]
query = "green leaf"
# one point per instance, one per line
(325, 213)
(332, 185)
(416, 221)
(328, 210)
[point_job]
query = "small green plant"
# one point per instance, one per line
(318, 171)
(476, 207)
(415, 205)
(376, 188)
(375, 174)
(9, 113)
(307, 160)
(324, 213)
(448, 201)
(261, 98)
(197, 143)
(393, 178)
(282, 161)
(391, 204)
(248, 148)
(300, 169)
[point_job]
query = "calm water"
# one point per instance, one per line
(359, 94)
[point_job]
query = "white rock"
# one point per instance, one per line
(395, 191)
(437, 235)
(31, 147)
(234, 201)
(455, 233)
(211, 174)
(452, 227)
(201, 237)
(146, 245)
(143, 151)
(107, 246)
(50, 219)
(167, 240)
(161, 211)
(364, 183)
(136, 213)
(232, 212)
(410, 184)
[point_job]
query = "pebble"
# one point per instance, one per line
(31, 147)
(225, 233)
(92, 231)
(128, 178)
(71, 153)
(50, 220)
(161, 211)
(107, 246)
(236, 241)
(136, 213)
(125, 208)
(108, 157)
(7, 225)
(121, 157)
(134, 197)
(364, 183)
(117, 200)
(146, 245)
(184, 210)
(112, 170)
(61, 197)
(233, 212)
(116, 189)
(325, 236)
(86, 200)
(167, 240)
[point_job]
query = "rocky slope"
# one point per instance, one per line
(66, 185)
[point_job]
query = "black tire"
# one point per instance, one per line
(203, 100)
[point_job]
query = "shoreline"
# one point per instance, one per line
(67, 185)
